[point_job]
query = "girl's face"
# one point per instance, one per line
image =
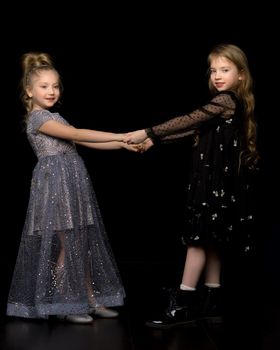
(44, 89)
(224, 74)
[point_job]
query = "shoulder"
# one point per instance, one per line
(38, 117)
(226, 98)
(40, 113)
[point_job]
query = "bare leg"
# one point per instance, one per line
(60, 269)
(212, 268)
(61, 257)
(194, 265)
(59, 265)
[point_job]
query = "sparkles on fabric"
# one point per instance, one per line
(65, 263)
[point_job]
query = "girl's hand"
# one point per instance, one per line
(144, 146)
(133, 148)
(138, 136)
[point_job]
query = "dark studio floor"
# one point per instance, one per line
(249, 324)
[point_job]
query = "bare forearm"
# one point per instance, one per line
(110, 145)
(68, 132)
(92, 136)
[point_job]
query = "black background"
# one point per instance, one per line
(128, 68)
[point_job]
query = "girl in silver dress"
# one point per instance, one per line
(65, 265)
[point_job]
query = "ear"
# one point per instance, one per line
(241, 75)
(28, 91)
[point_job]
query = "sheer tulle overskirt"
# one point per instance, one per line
(65, 264)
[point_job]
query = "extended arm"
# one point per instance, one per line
(222, 105)
(68, 132)
(110, 145)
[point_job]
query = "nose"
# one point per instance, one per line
(217, 75)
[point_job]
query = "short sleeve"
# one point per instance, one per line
(38, 118)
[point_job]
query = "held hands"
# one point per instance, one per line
(133, 148)
(135, 137)
(140, 147)
(137, 141)
(144, 146)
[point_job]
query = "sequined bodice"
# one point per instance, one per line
(44, 145)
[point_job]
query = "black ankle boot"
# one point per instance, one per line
(182, 310)
(212, 305)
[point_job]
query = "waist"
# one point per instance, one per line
(58, 154)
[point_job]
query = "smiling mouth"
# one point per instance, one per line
(219, 86)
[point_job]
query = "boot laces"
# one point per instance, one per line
(173, 305)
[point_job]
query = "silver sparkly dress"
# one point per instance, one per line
(65, 264)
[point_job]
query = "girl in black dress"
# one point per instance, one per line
(218, 208)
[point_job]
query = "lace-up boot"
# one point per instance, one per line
(182, 310)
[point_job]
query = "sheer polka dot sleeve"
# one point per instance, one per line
(221, 106)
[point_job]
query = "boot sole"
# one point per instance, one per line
(169, 326)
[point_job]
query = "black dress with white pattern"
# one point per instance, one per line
(219, 204)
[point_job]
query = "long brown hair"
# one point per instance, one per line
(244, 92)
